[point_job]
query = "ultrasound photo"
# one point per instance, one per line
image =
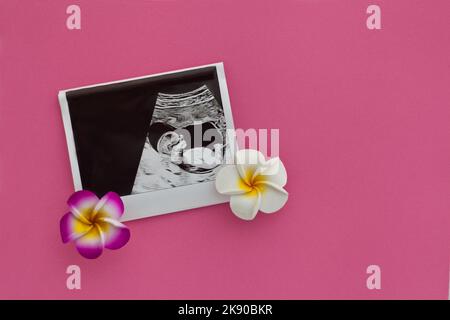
(150, 134)
(170, 157)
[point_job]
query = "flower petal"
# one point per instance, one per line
(72, 228)
(245, 206)
(228, 181)
(81, 204)
(273, 197)
(272, 171)
(116, 234)
(109, 206)
(247, 162)
(91, 244)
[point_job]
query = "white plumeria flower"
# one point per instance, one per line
(253, 184)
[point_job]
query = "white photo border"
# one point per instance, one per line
(163, 201)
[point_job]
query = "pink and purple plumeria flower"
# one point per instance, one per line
(93, 223)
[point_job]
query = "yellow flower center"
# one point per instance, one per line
(252, 183)
(90, 222)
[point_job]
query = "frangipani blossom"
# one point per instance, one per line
(93, 224)
(253, 184)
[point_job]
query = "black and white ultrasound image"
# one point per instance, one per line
(170, 157)
(149, 134)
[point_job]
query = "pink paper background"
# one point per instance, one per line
(364, 121)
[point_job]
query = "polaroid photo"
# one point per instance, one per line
(157, 140)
